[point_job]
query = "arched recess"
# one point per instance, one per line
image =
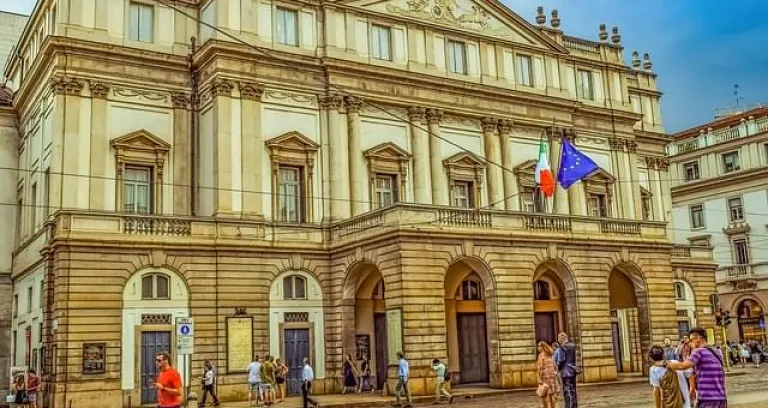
(750, 315)
(471, 321)
(555, 302)
(685, 306)
(152, 299)
(363, 303)
(630, 318)
(297, 325)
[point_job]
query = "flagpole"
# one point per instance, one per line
(551, 160)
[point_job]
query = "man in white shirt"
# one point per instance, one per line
(657, 372)
(307, 375)
(254, 381)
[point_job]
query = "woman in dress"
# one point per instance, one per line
(281, 370)
(19, 390)
(743, 354)
(365, 377)
(547, 372)
(349, 375)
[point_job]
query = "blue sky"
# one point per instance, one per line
(699, 48)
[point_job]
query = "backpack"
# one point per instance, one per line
(670, 387)
(447, 376)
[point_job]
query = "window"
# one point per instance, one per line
(142, 22)
(528, 199)
(14, 346)
(735, 209)
(461, 194)
(15, 305)
(647, 205)
(42, 295)
(691, 170)
(46, 193)
(33, 208)
(155, 286)
(137, 187)
(289, 190)
(586, 85)
(740, 252)
(19, 215)
(287, 27)
(30, 293)
(598, 205)
(697, 216)
(679, 291)
(731, 162)
(683, 326)
(457, 57)
(541, 290)
(524, 70)
(381, 42)
(470, 290)
(386, 190)
(294, 287)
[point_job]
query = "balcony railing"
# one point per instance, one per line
(548, 223)
(464, 218)
(148, 225)
(620, 227)
(717, 137)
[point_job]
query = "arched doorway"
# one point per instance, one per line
(152, 300)
(297, 325)
(751, 319)
(554, 302)
(466, 293)
(367, 339)
(630, 326)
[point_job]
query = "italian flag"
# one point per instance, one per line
(544, 178)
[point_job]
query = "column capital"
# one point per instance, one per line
(434, 116)
(99, 89)
(181, 100)
(489, 124)
(221, 87)
(353, 103)
(631, 146)
(331, 102)
(250, 91)
(617, 144)
(505, 126)
(416, 113)
(67, 85)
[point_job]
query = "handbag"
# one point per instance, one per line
(542, 390)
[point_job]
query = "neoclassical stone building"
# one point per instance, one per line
(346, 177)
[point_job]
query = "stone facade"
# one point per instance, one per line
(11, 26)
(335, 197)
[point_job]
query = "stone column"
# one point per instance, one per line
(99, 145)
(221, 92)
(511, 192)
(183, 162)
(561, 195)
(666, 193)
(422, 180)
(253, 152)
(357, 168)
(339, 157)
(654, 185)
(493, 171)
(439, 184)
(634, 183)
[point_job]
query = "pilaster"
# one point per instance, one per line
(357, 167)
(252, 152)
(493, 171)
(339, 157)
(422, 180)
(221, 91)
(99, 145)
(625, 203)
(634, 183)
(511, 191)
(561, 204)
(69, 143)
(439, 184)
(183, 162)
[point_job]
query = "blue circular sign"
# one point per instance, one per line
(184, 329)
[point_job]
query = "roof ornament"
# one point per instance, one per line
(603, 33)
(616, 37)
(555, 20)
(647, 64)
(635, 60)
(541, 18)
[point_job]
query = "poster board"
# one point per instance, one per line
(394, 334)
(94, 358)
(239, 343)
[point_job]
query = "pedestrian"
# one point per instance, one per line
(710, 374)
(403, 371)
(670, 353)
(547, 375)
(281, 370)
(307, 376)
(555, 356)
(350, 373)
(670, 388)
(566, 364)
(33, 384)
(268, 381)
(442, 376)
(684, 348)
(254, 381)
(19, 390)
(757, 353)
(209, 380)
(743, 353)
(168, 384)
(365, 377)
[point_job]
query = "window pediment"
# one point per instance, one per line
(525, 173)
(292, 141)
(387, 151)
(140, 140)
(465, 166)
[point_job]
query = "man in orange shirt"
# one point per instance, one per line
(168, 383)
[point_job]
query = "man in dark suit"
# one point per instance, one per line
(566, 364)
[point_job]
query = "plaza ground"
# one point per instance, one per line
(746, 388)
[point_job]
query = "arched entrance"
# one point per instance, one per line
(152, 300)
(554, 302)
(630, 326)
(367, 339)
(751, 319)
(466, 293)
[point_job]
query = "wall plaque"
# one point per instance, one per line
(363, 347)
(394, 334)
(94, 358)
(239, 343)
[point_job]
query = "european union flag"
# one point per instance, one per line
(574, 165)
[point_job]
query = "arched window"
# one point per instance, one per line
(155, 286)
(294, 287)
(471, 290)
(680, 291)
(541, 290)
(378, 293)
(749, 308)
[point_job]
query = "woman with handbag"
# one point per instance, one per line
(547, 373)
(19, 390)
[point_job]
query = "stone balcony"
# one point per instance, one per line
(735, 273)
(713, 137)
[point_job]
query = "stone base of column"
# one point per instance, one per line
(598, 370)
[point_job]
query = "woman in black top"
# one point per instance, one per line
(349, 374)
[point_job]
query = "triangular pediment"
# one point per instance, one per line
(464, 159)
(484, 17)
(387, 151)
(528, 166)
(293, 141)
(141, 140)
(600, 175)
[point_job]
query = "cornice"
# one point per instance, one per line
(718, 147)
(730, 179)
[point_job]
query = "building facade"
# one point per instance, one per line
(720, 197)
(322, 179)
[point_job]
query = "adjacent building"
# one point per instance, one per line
(720, 201)
(346, 177)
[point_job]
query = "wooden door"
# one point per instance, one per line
(152, 342)
(546, 327)
(473, 347)
(295, 349)
(380, 334)
(617, 349)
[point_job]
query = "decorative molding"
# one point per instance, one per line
(221, 87)
(416, 114)
(434, 116)
(67, 85)
(625, 145)
(295, 97)
(250, 91)
(181, 100)
(461, 121)
(140, 93)
(446, 12)
(99, 89)
(354, 104)
(658, 163)
(489, 124)
(331, 102)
